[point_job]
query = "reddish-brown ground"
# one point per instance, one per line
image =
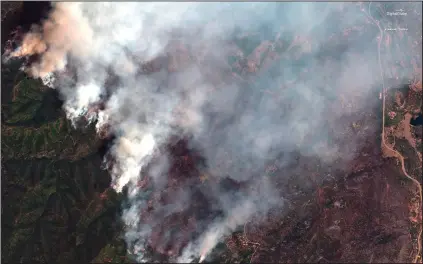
(361, 213)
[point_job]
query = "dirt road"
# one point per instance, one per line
(385, 147)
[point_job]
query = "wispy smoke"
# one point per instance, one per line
(161, 69)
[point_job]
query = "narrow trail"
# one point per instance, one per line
(383, 142)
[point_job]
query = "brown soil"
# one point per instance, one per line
(403, 130)
(359, 219)
(399, 99)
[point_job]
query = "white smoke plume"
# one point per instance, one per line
(161, 69)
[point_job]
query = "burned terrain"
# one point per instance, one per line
(59, 204)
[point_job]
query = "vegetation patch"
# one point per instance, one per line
(393, 118)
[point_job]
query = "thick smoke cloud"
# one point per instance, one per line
(99, 52)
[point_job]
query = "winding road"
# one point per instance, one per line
(385, 146)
